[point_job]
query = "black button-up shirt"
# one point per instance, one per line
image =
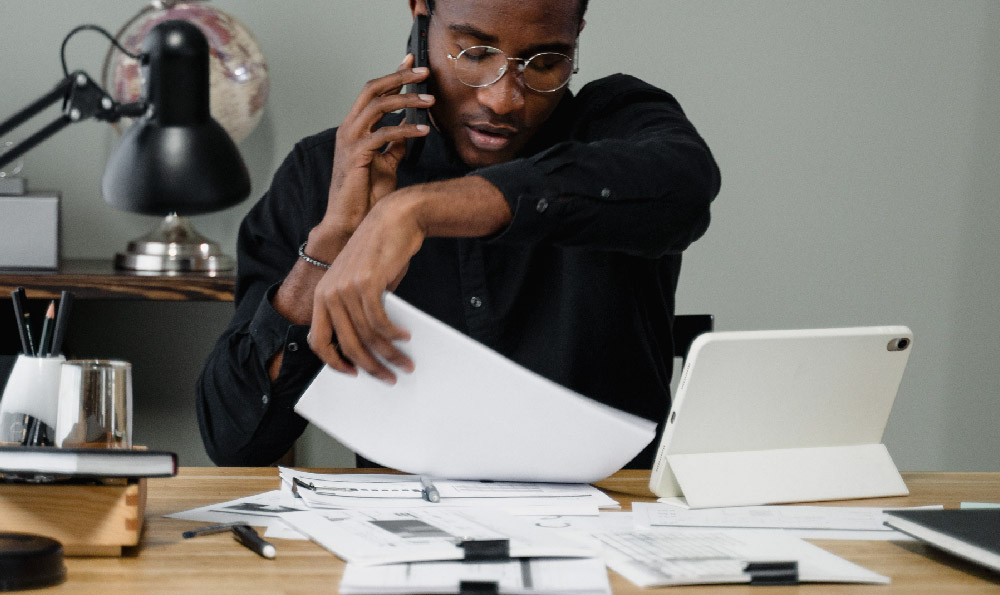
(578, 288)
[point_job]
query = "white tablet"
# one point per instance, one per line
(775, 390)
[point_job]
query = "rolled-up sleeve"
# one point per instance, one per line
(245, 418)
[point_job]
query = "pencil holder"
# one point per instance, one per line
(30, 397)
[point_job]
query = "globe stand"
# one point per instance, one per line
(174, 247)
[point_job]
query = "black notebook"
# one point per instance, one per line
(86, 462)
(973, 534)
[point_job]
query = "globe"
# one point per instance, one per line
(238, 72)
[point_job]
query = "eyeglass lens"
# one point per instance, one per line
(481, 65)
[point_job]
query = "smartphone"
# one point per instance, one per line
(417, 45)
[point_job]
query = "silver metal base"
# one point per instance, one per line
(174, 247)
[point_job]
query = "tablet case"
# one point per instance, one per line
(764, 417)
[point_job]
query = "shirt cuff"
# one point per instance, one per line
(271, 332)
(533, 205)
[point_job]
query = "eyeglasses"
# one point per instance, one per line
(483, 65)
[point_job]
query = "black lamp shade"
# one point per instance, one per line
(176, 158)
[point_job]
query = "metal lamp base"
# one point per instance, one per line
(174, 247)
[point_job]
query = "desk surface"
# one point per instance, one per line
(98, 279)
(167, 563)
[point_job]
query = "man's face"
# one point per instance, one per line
(490, 125)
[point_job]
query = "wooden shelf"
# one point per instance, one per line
(99, 280)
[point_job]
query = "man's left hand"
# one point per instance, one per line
(347, 302)
(348, 299)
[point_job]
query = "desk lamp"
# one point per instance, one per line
(174, 160)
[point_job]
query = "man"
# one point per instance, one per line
(545, 225)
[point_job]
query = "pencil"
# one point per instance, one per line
(48, 325)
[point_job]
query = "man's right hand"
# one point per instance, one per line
(364, 171)
(366, 158)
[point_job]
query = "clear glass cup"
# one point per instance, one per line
(95, 405)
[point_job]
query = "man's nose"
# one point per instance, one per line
(506, 95)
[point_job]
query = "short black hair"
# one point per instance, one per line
(582, 8)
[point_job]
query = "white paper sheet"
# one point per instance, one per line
(467, 412)
(384, 536)
(583, 576)
(259, 510)
(812, 522)
(690, 557)
(383, 490)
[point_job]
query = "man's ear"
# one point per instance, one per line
(583, 22)
(418, 7)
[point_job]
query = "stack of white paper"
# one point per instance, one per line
(466, 412)
(373, 490)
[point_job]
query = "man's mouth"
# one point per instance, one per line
(487, 137)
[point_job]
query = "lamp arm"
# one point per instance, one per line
(82, 99)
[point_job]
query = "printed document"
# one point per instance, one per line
(574, 576)
(259, 510)
(671, 557)
(392, 536)
(466, 412)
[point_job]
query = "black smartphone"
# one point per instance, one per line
(417, 45)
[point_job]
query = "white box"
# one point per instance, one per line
(29, 231)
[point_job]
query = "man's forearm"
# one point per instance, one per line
(462, 207)
(294, 298)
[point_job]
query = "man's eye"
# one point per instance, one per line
(477, 54)
(544, 62)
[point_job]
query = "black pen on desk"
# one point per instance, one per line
(243, 533)
(48, 326)
(62, 321)
(212, 529)
(249, 538)
(428, 491)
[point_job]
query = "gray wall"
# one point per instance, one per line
(858, 142)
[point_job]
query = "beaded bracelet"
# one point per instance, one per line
(310, 259)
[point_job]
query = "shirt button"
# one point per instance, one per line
(541, 205)
(264, 399)
(606, 193)
(293, 346)
(476, 302)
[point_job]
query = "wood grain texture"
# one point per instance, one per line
(97, 279)
(165, 562)
(87, 519)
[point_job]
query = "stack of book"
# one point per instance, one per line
(92, 500)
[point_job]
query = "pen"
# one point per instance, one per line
(243, 533)
(18, 300)
(62, 321)
(212, 529)
(249, 538)
(428, 491)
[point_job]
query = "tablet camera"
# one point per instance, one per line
(899, 344)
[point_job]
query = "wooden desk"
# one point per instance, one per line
(98, 279)
(168, 563)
